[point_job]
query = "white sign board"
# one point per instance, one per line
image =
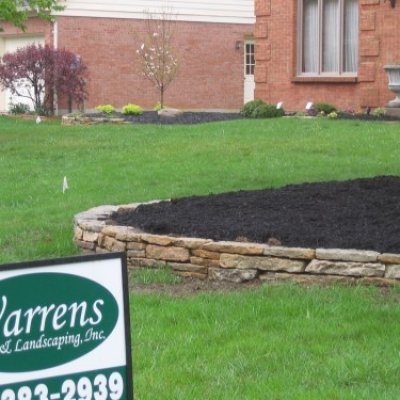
(64, 330)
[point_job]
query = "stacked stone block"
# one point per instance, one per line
(231, 261)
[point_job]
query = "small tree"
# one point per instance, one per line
(18, 11)
(157, 53)
(39, 73)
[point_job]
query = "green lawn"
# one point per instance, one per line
(280, 342)
(283, 342)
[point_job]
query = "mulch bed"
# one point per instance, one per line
(188, 117)
(152, 117)
(357, 214)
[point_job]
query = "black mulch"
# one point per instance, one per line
(359, 214)
(152, 117)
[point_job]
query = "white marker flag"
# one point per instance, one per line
(65, 184)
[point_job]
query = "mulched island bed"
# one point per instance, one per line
(152, 117)
(189, 117)
(355, 214)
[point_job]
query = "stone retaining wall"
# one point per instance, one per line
(83, 119)
(231, 261)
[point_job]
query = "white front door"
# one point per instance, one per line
(9, 45)
(249, 64)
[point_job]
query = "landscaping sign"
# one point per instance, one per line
(64, 330)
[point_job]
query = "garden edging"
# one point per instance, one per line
(230, 261)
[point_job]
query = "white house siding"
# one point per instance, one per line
(222, 11)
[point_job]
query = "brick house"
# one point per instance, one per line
(214, 40)
(325, 50)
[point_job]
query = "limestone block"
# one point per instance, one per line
(170, 253)
(90, 236)
(145, 263)
(170, 113)
(116, 120)
(261, 263)
(112, 244)
(103, 211)
(67, 120)
(92, 225)
(347, 255)
(128, 234)
(188, 267)
(290, 252)
(78, 233)
(345, 268)
(235, 248)
(206, 254)
(101, 250)
(100, 239)
(114, 230)
(206, 262)
(189, 243)
(232, 275)
(393, 271)
(160, 240)
(95, 214)
(388, 258)
(136, 253)
(135, 246)
(85, 245)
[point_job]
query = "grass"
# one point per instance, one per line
(154, 276)
(284, 342)
(114, 164)
(278, 342)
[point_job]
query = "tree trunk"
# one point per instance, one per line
(162, 96)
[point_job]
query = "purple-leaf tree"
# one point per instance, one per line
(40, 73)
(157, 53)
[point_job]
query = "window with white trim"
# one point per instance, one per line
(328, 32)
(250, 60)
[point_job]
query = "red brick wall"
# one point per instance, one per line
(210, 75)
(34, 26)
(275, 33)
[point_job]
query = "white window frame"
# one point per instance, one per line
(249, 66)
(320, 73)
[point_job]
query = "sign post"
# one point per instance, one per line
(64, 329)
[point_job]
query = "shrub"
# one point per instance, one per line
(19, 108)
(333, 115)
(132, 109)
(106, 108)
(48, 73)
(326, 108)
(157, 106)
(378, 112)
(249, 108)
(261, 109)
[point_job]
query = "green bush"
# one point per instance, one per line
(261, 109)
(333, 115)
(105, 108)
(132, 109)
(157, 106)
(19, 108)
(326, 108)
(379, 112)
